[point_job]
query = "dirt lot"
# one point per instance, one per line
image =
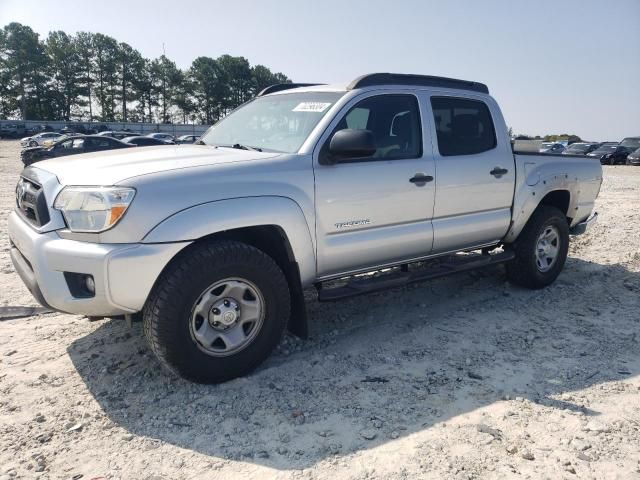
(464, 377)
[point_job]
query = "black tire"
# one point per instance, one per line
(167, 313)
(523, 270)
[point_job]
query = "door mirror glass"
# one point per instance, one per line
(351, 143)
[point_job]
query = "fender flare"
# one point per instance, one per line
(213, 217)
(533, 192)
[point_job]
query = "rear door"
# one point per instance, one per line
(475, 172)
(372, 211)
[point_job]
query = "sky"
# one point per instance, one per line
(554, 66)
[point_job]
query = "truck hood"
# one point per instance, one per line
(113, 166)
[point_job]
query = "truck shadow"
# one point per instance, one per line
(382, 367)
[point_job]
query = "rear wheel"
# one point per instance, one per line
(217, 311)
(541, 249)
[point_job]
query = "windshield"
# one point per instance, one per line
(276, 123)
(633, 142)
(582, 147)
(607, 148)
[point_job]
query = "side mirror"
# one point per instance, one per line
(350, 143)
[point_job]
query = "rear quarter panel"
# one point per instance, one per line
(537, 175)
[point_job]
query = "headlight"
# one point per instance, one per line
(93, 209)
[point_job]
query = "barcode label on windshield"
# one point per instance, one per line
(311, 107)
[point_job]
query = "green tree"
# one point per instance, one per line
(237, 74)
(144, 92)
(165, 77)
(131, 65)
(8, 103)
(84, 43)
(262, 77)
(107, 60)
(209, 88)
(66, 69)
(183, 96)
(24, 62)
(94, 76)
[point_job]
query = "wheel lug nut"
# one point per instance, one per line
(226, 303)
(216, 311)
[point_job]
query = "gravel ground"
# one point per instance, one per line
(463, 377)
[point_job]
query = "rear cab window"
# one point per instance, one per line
(463, 126)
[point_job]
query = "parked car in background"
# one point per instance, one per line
(44, 128)
(119, 134)
(187, 138)
(47, 143)
(162, 136)
(74, 128)
(611, 154)
(145, 141)
(581, 148)
(14, 130)
(39, 139)
(551, 147)
(634, 157)
(71, 146)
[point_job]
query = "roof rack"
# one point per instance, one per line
(278, 87)
(373, 79)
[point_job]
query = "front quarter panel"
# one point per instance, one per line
(218, 216)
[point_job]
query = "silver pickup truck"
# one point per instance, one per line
(409, 176)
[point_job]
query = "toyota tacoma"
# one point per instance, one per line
(410, 177)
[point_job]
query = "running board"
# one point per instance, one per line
(438, 268)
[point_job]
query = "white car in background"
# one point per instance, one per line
(39, 139)
(162, 136)
(551, 147)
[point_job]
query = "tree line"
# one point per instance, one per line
(93, 77)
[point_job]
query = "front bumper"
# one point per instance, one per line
(581, 227)
(123, 273)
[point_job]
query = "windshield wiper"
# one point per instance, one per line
(245, 147)
(241, 147)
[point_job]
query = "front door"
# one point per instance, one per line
(376, 210)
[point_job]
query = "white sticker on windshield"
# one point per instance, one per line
(311, 107)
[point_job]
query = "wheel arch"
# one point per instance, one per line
(560, 199)
(555, 192)
(274, 225)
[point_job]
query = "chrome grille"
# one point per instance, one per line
(31, 202)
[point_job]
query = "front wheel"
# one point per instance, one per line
(541, 249)
(217, 311)
(33, 143)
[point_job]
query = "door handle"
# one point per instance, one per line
(498, 172)
(419, 179)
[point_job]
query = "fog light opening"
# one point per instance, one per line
(81, 285)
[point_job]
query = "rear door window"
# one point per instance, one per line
(463, 126)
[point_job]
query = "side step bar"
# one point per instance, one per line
(437, 268)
